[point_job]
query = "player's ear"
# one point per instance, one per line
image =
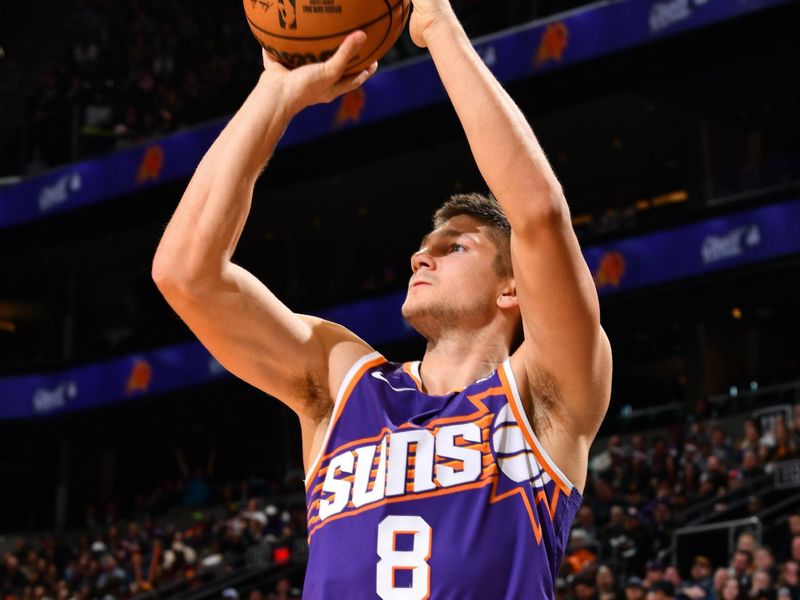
(508, 295)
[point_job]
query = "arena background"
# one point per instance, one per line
(132, 465)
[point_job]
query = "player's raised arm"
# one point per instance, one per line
(556, 293)
(255, 336)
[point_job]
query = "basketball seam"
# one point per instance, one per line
(390, 14)
(330, 35)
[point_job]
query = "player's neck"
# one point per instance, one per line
(455, 361)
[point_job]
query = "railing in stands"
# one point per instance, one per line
(705, 542)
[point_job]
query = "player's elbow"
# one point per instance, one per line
(163, 271)
(186, 272)
(169, 277)
(547, 208)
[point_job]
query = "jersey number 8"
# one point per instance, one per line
(414, 560)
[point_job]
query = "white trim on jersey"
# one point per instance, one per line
(415, 369)
(526, 424)
(339, 397)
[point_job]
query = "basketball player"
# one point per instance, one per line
(457, 476)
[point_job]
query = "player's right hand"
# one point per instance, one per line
(321, 82)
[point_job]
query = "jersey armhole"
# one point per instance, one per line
(515, 402)
(349, 382)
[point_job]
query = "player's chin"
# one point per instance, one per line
(412, 306)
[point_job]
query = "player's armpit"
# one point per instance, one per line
(298, 359)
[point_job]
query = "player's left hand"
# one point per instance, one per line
(320, 82)
(427, 14)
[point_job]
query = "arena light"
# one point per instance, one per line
(672, 198)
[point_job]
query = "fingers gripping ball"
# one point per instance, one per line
(298, 32)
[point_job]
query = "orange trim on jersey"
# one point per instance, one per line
(394, 499)
(410, 372)
(545, 464)
(427, 558)
(378, 360)
(539, 497)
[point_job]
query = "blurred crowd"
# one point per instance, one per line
(640, 490)
(116, 558)
(112, 75)
(134, 71)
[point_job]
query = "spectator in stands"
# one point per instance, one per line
(720, 446)
(789, 533)
(785, 447)
(663, 526)
(662, 590)
(585, 521)
(584, 588)
(282, 591)
(732, 589)
(634, 589)
(653, 573)
(764, 560)
(606, 584)
(690, 474)
(752, 436)
(751, 468)
(747, 541)
(741, 567)
(700, 584)
(672, 575)
(615, 527)
(790, 577)
(11, 575)
(580, 552)
(762, 583)
(720, 576)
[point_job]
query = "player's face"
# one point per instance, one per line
(454, 282)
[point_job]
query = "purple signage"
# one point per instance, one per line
(696, 249)
(538, 47)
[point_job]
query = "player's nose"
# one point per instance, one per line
(422, 259)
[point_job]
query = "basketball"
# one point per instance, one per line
(298, 32)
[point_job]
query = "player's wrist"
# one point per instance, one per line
(276, 91)
(442, 28)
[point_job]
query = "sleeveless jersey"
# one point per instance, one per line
(416, 496)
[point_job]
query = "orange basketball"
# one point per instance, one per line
(298, 32)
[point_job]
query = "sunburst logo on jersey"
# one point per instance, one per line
(514, 455)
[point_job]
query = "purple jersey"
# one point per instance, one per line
(416, 496)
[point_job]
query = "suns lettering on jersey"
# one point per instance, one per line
(406, 462)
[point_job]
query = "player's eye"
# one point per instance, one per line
(456, 248)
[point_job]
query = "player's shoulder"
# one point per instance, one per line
(342, 348)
